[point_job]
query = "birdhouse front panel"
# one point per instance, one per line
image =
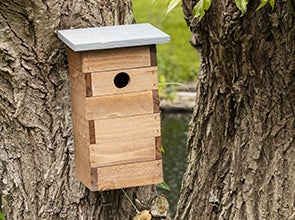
(115, 110)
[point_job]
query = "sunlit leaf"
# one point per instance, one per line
(162, 149)
(164, 186)
(172, 5)
(1, 216)
(291, 4)
(242, 5)
(262, 4)
(201, 7)
(272, 4)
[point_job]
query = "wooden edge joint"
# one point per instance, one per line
(158, 145)
(153, 55)
(91, 132)
(88, 82)
(156, 101)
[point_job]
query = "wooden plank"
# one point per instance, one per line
(78, 103)
(112, 37)
(141, 79)
(120, 105)
(81, 136)
(115, 59)
(82, 155)
(77, 80)
(80, 81)
(127, 129)
(74, 59)
(130, 175)
(86, 174)
(122, 152)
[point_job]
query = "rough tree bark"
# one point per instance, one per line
(37, 177)
(241, 141)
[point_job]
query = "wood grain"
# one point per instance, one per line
(74, 59)
(78, 103)
(78, 80)
(129, 175)
(81, 143)
(122, 151)
(127, 128)
(141, 79)
(120, 105)
(115, 59)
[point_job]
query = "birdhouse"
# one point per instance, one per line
(115, 104)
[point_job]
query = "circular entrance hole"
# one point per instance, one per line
(121, 80)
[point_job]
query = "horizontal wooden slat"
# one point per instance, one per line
(129, 175)
(122, 151)
(111, 59)
(127, 128)
(120, 105)
(141, 79)
(102, 83)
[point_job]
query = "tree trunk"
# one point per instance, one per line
(241, 141)
(37, 174)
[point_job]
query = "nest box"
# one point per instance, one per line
(115, 105)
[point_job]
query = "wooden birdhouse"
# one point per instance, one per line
(115, 105)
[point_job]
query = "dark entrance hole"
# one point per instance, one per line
(121, 80)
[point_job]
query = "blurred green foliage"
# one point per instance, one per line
(177, 61)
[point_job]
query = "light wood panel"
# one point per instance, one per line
(119, 105)
(78, 103)
(127, 129)
(122, 152)
(77, 80)
(115, 59)
(102, 83)
(82, 157)
(141, 79)
(129, 175)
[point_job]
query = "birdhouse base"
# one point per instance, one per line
(124, 175)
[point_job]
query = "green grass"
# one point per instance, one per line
(177, 60)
